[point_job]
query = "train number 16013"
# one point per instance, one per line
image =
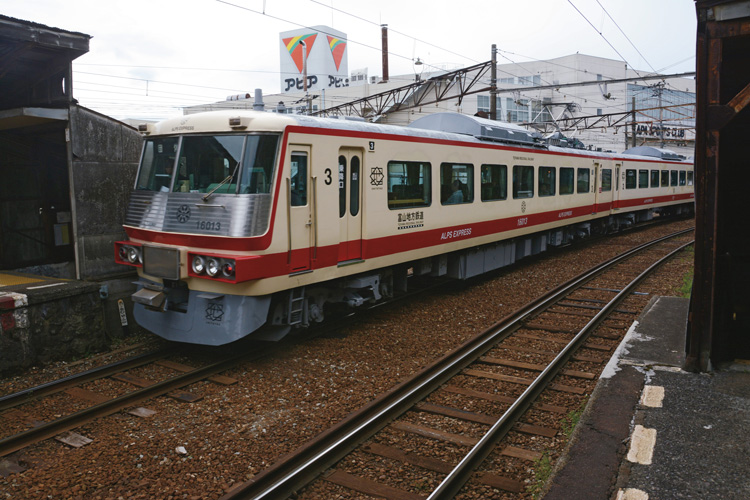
(208, 225)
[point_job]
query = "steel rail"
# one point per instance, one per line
(20, 397)
(50, 429)
(298, 469)
(458, 477)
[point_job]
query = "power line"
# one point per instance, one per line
(603, 37)
(626, 36)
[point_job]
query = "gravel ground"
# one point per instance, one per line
(199, 450)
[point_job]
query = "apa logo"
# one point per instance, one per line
(338, 47)
(295, 48)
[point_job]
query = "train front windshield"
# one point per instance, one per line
(233, 164)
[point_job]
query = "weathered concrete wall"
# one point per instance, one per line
(51, 324)
(105, 160)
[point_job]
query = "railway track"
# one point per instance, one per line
(19, 410)
(538, 350)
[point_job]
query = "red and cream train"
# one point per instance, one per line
(247, 222)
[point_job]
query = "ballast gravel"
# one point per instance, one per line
(200, 450)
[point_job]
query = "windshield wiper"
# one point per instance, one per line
(208, 195)
(228, 178)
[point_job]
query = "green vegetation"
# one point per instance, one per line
(571, 419)
(687, 280)
(542, 473)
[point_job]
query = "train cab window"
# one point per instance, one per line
(584, 180)
(494, 182)
(664, 178)
(157, 164)
(630, 179)
(456, 183)
(673, 177)
(523, 181)
(682, 177)
(209, 164)
(298, 175)
(342, 185)
(654, 178)
(257, 164)
(606, 179)
(408, 184)
(547, 181)
(354, 187)
(642, 179)
(690, 178)
(567, 180)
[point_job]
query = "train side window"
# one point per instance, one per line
(682, 177)
(664, 178)
(690, 178)
(547, 181)
(606, 179)
(630, 179)
(642, 179)
(456, 183)
(409, 184)
(654, 178)
(567, 180)
(584, 180)
(298, 173)
(354, 187)
(673, 177)
(523, 181)
(494, 182)
(342, 186)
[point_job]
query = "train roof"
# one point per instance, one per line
(441, 126)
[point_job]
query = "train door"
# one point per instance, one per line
(603, 187)
(299, 194)
(350, 204)
(616, 186)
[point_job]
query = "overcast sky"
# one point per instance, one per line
(150, 58)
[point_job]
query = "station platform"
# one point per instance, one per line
(45, 319)
(653, 431)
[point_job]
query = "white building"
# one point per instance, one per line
(584, 97)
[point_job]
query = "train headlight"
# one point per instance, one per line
(228, 268)
(123, 252)
(134, 256)
(213, 267)
(199, 264)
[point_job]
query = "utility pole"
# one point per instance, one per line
(304, 75)
(493, 84)
(658, 91)
(635, 143)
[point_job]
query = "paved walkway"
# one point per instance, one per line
(653, 431)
